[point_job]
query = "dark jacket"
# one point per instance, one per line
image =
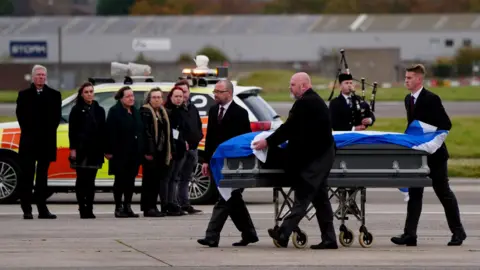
(308, 130)
(345, 118)
(124, 138)
(178, 122)
(194, 125)
(39, 116)
(235, 122)
(429, 109)
(160, 146)
(86, 132)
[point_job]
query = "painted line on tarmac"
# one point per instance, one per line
(252, 212)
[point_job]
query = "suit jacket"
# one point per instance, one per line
(428, 108)
(39, 116)
(308, 130)
(345, 118)
(235, 122)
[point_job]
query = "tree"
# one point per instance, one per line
(114, 7)
(6, 7)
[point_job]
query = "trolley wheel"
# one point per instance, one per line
(275, 242)
(346, 237)
(365, 239)
(299, 239)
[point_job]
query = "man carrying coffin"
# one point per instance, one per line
(310, 156)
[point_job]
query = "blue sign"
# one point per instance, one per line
(28, 49)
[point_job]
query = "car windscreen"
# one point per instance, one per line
(259, 107)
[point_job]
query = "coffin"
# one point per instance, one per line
(361, 165)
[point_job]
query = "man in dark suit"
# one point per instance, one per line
(310, 156)
(425, 106)
(345, 115)
(38, 112)
(226, 120)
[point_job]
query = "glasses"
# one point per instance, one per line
(219, 91)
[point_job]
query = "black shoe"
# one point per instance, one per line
(457, 239)
(407, 240)
(120, 213)
(27, 216)
(245, 241)
(128, 210)
(325, 245)
(174, 210)
(276, 235)
(46, 215)
(88, 213)
(207, 242)
(190, 210)
(153, 213)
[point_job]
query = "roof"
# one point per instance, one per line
(111, 87)
(241, 24)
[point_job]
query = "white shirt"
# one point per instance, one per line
(416, 94)
(347, 98)
(225, 107)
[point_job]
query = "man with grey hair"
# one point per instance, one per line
(38, 111)
(226, 120)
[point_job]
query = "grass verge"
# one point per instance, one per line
(10, 96)
(275, 88)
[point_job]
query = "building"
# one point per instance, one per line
(254, 39)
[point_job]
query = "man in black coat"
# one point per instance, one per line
(310, 156)
(343, 110)
(38, 111)
(346, 116)
(226, 120)
(425, 106)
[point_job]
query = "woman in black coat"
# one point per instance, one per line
(177, 113)
(124, 149)
(86, 130)
(158, 153)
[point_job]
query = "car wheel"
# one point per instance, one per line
(202, 189)
(9, 173)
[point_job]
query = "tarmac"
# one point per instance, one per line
(156, 243)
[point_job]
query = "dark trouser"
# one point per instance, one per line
(237, 210)
(169, 187)
(439, 176)
(85, 187)
(154, 175)
(191, 160)
(312, 188)
(31, 166)
(124, 184)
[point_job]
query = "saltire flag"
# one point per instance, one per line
(418, 136)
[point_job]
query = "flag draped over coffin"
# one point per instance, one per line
(418, 136)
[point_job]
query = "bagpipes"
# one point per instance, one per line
(358, 100)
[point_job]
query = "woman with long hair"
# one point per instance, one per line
(158, 144)
(86, 132)
(177, 114)
(124, 149)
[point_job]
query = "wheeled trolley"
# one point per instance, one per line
(356, 168)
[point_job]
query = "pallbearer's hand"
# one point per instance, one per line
(260, 145)
(205, 169)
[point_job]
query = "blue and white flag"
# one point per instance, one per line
(418, 136)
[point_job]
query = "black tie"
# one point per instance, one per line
(220, 115)
(412, 105)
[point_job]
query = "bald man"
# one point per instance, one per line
(310, 154)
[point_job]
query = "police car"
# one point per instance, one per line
(61, 178)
